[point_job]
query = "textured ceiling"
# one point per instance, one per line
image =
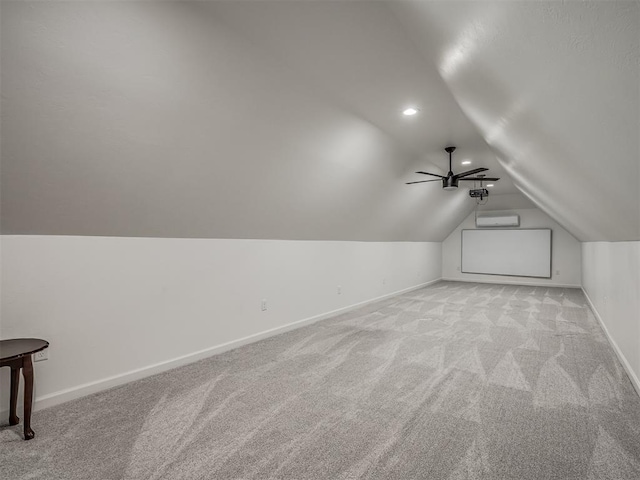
(282, 119)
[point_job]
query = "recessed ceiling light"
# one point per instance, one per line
(489, 184)
(409, 111)
(466, 162)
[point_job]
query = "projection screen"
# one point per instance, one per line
(516, 252)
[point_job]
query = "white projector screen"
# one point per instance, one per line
(514, 252)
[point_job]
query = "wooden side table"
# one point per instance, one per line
(16, 353)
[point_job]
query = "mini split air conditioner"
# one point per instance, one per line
(498, 221)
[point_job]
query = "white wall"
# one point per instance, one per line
(565, 253)
(507, 201)
(611, 280)
(111, 305)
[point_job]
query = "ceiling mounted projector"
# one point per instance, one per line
(479, 192)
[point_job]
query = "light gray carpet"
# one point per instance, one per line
(454, 381)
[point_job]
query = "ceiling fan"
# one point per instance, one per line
(450, 182)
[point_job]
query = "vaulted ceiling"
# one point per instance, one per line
(554, 90)
(283, 119)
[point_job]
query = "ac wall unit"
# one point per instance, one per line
(498, 221)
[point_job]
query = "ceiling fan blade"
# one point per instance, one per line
(470, 172)
(479, 179)
(423, 181)
(432, 174)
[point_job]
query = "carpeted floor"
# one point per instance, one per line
(453, 381)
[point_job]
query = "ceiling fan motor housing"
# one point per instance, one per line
(450, 183)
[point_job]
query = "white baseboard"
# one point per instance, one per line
(512, 282)
(627, 366)
(66, 395)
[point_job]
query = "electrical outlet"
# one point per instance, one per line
(263, 305)
(557, 272)
(384, 281)
(41, 355)
(339, 289)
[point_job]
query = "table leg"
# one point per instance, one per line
(27, 372)
(15, 382)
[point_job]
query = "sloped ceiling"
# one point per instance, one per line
(554, 89)
(282, 119)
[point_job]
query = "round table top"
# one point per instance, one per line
(19, 347)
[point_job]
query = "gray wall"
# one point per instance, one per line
(157, 120)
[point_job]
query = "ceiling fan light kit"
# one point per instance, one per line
(450, 182)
